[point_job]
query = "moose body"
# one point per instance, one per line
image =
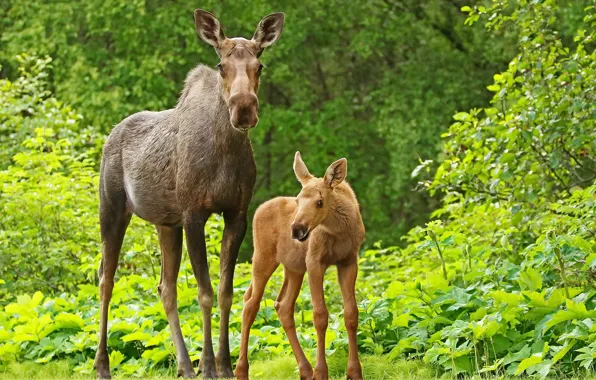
(174, 169)
(320, 227)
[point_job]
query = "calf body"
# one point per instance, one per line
(307, 234)
(174, 169)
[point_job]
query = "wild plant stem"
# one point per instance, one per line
(562, 268)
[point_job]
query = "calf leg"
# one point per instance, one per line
(316, 273)
(347, 281)
(234, 231)
(114, 219)
(197, 252)
(284, 305)
(262, 269)
(170, 240)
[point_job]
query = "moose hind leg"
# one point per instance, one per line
(114, 219)
(285, 305)
(170, 241)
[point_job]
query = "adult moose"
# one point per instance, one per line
(174, 169)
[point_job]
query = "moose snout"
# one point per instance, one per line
(299, 231)
(244, 110)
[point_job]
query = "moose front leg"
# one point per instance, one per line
(347, 281)
(197, 252)
(234, 231)
(316, 273)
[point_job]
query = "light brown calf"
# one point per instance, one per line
(320, 227)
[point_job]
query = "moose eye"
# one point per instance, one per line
(220, 68)
(320, 203)
(261, 67)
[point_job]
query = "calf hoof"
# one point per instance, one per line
(306, 372)
(102, 365)
(242, 370)
(321, 374)
(354, 371)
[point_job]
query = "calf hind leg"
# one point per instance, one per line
(284, 305)
(262, 269)
(114, 219)
(170, 241)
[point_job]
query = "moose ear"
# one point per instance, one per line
(336, 172)
(269, 30)
(300, 169)
(209, 28)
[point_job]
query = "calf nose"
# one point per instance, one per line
(299, 231)
(244, 110)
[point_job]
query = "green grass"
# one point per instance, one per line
(375, 367)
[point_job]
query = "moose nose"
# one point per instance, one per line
(244, 110)
(299, 231)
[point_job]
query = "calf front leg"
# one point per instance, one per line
(197, 252)
(347, 282)
(316, 273)
(234, 231)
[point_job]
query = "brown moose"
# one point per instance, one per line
(174, 169)
(320, 227)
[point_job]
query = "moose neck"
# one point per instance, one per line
(202, 104)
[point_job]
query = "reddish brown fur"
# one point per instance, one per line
(326, 217)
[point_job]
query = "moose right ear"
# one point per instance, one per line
(209, 28)
(300, 169)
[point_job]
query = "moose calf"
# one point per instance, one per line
(320, 227)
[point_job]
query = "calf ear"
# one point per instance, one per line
(209, 28)
(300, 169)
(268, 31)
(336, 172)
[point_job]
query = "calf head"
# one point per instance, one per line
(315, 201)
(240, 67)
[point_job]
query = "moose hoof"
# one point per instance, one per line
(186, 373)
(102, 366)
(207, 368)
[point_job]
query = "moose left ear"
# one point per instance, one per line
(269, 30)
(336, 172)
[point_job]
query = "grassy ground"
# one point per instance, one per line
(276, 369)
(375, 368)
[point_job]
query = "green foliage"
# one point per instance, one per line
(499, 283)
(347, 78)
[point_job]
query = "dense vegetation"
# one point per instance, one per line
(499, 282)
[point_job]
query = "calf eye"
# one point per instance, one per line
(261, 67)
(320, 203)
(220, 68)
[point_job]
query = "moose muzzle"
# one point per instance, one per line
(244, 108)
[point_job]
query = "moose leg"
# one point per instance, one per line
(347, 282)
(197, 252)
(262, 269)
(170, 241)
(284, 305)
(234, 231)
(316, 273)
(113, 220)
